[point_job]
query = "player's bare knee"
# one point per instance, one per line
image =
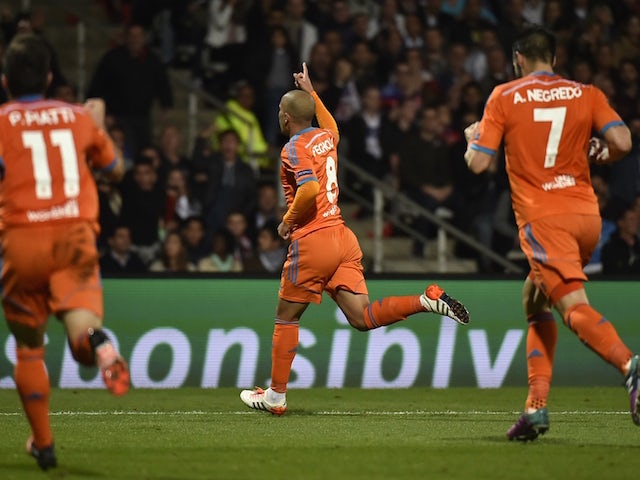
(358, 323)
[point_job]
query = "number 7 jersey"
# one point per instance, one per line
(311, 155)
(44, 146)
(546, 122)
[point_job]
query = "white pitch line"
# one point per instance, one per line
(432, 413)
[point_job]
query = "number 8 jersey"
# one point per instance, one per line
(311, 155)
(44, 148)
(546, 122)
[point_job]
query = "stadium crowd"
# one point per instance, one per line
(403, 78)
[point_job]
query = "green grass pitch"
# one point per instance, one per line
(418, 433)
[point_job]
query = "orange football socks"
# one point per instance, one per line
(283, 351)
(542, 336)
(388, 310)
(598, 333)
(32, 382)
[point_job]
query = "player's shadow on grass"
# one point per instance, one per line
(61, 471)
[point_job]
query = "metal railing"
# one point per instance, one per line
(384, 191)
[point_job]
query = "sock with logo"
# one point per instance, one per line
(542, 336)
(388, 310)
(32, 382)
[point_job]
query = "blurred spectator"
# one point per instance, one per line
(425, 174)
(221, 258)
(512, 24)
(239, 116)
(582, 70)
(403, 85)
(321, 66)
(66, 92)
(389, 47)
(435, 17)
(434, 50)
(364, 61)
(180, 204)
(334, 42)
(624, 175)
(621, 254)
(627, 90)
(303, 34)
(170, 150)
(120, 257)
(455, 74)
(110, 204)
(390, 19)
(413, 32)
(33, 22)
(129, 78)
(267, 209)
(477, 60)
(364, 29)
(498, 70)
(533, 11)
(118, 135)
(222, 61)
(277, 76)
(243, 247)
(628, 43)
(231, 183)
(473, 20)
(480, 195)
(142, 208)
(367, 138)
(349, 101)
(173, 256)
(340, 22)
(193, 232)
(608, 214)
(270, 251)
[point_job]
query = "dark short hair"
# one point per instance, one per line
(27, 65)
(228, 131)
(536, 43)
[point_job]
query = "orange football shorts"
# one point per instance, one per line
(558, 247)
(49, 269)
(329, 259)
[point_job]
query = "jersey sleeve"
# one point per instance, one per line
(102, 153)
(299, 163)
(325, 119)
(604, 116)
(491, 128)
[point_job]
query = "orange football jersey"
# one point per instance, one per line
(311, 155)
(546, 122)
(44, 145)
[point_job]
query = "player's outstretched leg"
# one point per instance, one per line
(258, 400)
(529, 426)
(632, 382)
(435, 299)
(114, 368)
(46, 456)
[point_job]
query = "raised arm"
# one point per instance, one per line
(325, 119)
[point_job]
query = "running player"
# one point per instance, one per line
(546, 121)
(324, 255)
(48, 228)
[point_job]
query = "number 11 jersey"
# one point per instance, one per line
(44, 149)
